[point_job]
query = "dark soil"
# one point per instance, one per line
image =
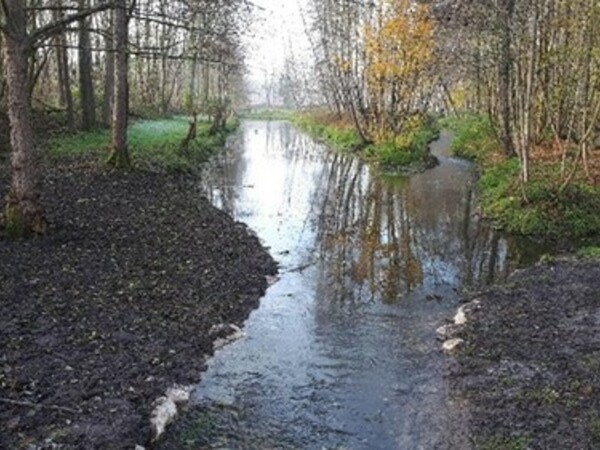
(529, 370)
(115, 304)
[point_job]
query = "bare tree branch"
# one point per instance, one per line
(57, 26)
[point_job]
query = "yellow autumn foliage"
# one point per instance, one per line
(399, 49)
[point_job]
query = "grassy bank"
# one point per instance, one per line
(268, 114)
(153, 144)
(549, 211)
(405, 153)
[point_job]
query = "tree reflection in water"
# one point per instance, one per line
(385, 237)
(378, 237)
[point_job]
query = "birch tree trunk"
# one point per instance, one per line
(504, 76)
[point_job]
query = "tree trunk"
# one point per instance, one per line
(109, 79)
(64, 78)
(120, 155)
(86, 82)
(504, 76)
(192, 97)
(23, 211)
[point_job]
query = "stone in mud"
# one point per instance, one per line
(447, 331)
(461, 315)
(166, 408)
(451, 345)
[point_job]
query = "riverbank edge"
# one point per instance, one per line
(550, 214)
(86, 374)
(525, 356)
(385, 157)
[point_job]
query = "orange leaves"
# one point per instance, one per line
(345, 65)
(399, 48)
(401, 44)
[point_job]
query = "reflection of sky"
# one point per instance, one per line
(316, 366)
(322, 372)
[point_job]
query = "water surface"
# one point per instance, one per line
(342, 351)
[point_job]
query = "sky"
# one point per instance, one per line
(278, 27)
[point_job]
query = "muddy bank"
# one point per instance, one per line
(115, 305)
(529, 369)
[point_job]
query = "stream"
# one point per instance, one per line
(342, 352)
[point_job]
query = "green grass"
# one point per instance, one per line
(344, 138)
(589, 252)
(153, 144)
(405, 153)
(473, 136)
(409, 150)
(549, 212)
(268, 114)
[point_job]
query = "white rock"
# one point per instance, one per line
(451, 344)
(166, 408)
(461, 315)
(460, 318)
(179, 394)
(445, 331)
(163, 415)
(271, 280)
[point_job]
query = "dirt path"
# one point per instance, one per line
(529, 369)
(115, 305)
